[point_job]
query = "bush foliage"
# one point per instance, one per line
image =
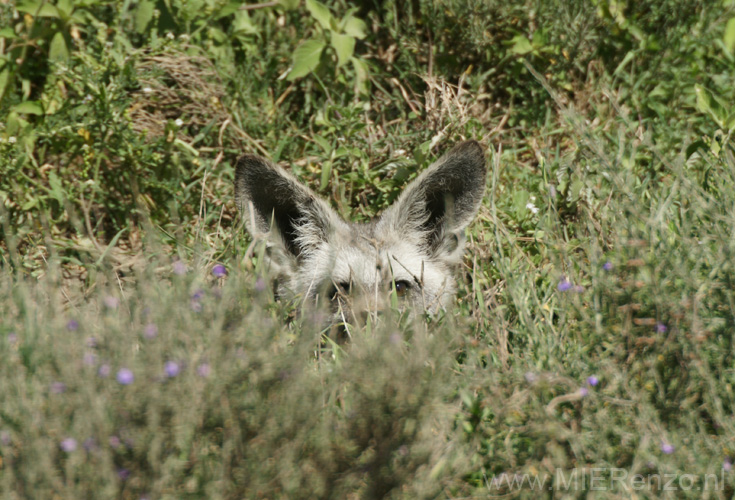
(593, 328)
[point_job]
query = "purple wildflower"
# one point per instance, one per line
(104, 370)
(5, 438)
(198, 294)
(583, 391)
(564, 285)
(260, 285)
(219, 271)
(667, 448)
(68, 445)
(195, 305)
(111, 302)
(123, 474)
(607, 266)
(125, 376)
(661, 328)
(179, 268)
(171, 368)
(114, 442)
(203, 370)
(150, 331)
(727, 464)
(91, 342)
(592, 380)
(72, 325)
(58, 388)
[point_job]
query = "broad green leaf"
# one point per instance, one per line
(228, 10)
(306, 58)
(65, 7)
(321, 13)
(243, 25)
(344, 45)
(37, 8)
(729, 37)
(29, 108)
(8, 33)
(143, 15)
(325, 145)
(354, 26)
(289, 4)
(539, 39)
(58, 50)
(521, 45)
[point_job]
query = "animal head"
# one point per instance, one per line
(410, 250)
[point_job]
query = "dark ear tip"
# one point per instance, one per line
(248, 161)
(471, 147)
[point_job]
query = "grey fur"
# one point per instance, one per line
(418, 240)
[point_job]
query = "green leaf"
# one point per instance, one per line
(321, 13)
(57, 191)
(143, 15)
(628, 57)
(4, 78)
(694, 147)
(37, 8)
(344, 45)
(306, 58)
(326, 172)
(521, 45)
(706, 104)
(354, 27)
(58, 50)
(729, 38)
(66, 7)
(8, 33)
(242, 24)
(323, 143)
(29, 108)
(289, 4)
(362, 75)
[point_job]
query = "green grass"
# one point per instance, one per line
(592, 335)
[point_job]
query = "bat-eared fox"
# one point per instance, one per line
(410, 250)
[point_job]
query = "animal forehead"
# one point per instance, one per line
(367, 263)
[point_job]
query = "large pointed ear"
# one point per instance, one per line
(440, 203)
(271, 200)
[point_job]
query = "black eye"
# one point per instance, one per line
(402, 287)
(339, 289)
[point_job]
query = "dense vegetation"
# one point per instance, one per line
(141, 355)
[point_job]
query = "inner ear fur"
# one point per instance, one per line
(442, 201)
(269, 197)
